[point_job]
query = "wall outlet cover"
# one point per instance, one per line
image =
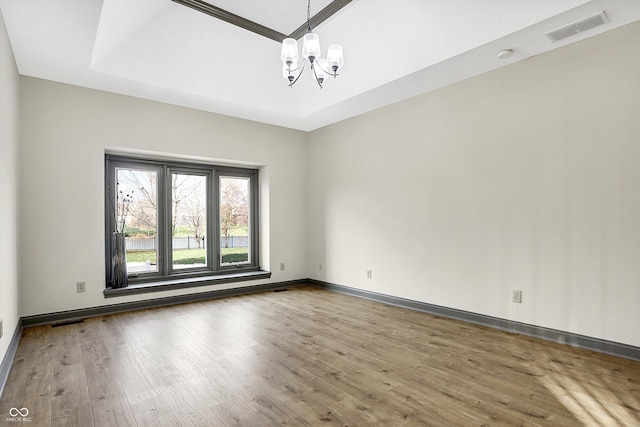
(517, 297)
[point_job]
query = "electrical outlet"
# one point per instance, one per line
(369, 274)
(282, 266)
(517, 296)
(79, 287)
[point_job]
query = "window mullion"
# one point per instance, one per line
(210, 232)
(253, 211)
(165, 212)
(215, 223)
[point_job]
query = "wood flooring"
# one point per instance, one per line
(308, 357)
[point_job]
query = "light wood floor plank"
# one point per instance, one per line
(235, 413)
(75, 416)
(187, 405)
(153, 411)
(309, 357)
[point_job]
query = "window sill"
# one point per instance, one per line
(167, 285)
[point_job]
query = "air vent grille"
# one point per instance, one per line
(578, 27)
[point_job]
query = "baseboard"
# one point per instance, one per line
(562, 337)
(83, 313)
(7, 360)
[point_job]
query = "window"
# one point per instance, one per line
(234, 220)
(181, 220)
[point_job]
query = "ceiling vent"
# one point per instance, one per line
(578, 27)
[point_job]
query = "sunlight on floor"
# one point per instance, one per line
(590, 399)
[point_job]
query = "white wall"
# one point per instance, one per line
(526, 178)
(65, 131)
(9, 106)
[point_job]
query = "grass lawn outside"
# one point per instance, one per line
(192, 256)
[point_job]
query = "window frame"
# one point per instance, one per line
(164, 168)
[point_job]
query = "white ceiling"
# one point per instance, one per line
(394, 49)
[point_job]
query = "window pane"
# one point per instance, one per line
(137, 216)
(234, 220)
(188, 220)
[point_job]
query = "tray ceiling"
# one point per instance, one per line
(167, 52)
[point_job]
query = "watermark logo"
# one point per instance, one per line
(18, 416)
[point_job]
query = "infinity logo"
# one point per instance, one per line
(14, 412)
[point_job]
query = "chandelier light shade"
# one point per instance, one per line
(320, 73)
(334, 57)
(321, 68)
(311, 46)
(289, 51)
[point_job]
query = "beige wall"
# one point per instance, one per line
(525, 178)
(65, 132)
(9, 99)
(522, 178)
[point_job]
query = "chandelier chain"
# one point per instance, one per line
(309, 15)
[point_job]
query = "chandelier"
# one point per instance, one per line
(321, 68)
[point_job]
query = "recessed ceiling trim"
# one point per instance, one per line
(254, 27)
(239, 21)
